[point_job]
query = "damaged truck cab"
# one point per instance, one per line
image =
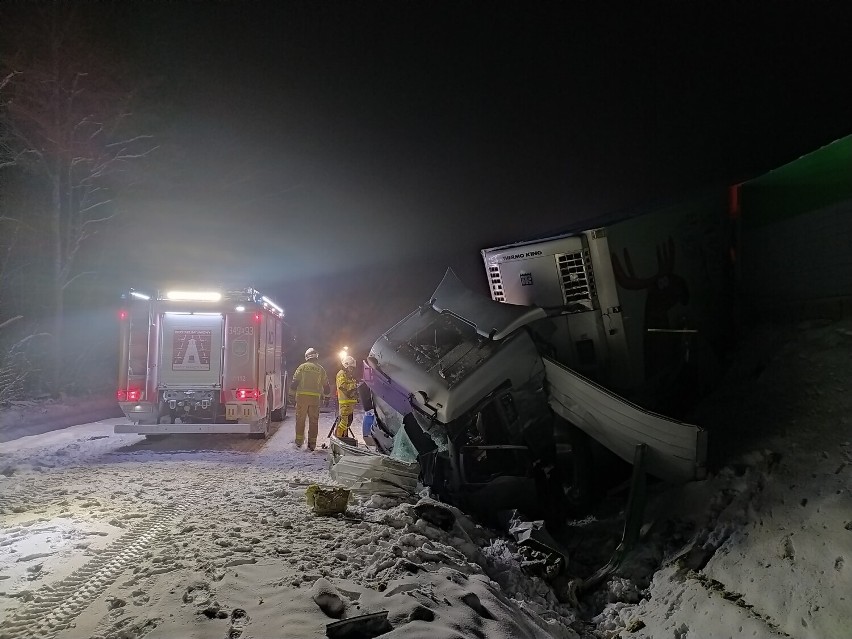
(464, 379)
(592, 348)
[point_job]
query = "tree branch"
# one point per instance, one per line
(10, 321)
(76, 277)
(8, 79)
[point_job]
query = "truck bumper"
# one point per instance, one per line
(165, 429)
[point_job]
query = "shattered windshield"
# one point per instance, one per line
(447, 348)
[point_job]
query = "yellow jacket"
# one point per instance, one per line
(346, 388)
(310, 379)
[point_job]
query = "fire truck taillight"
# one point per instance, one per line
(129, 395)
(248, 393)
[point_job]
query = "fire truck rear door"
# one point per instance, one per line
(191, 353)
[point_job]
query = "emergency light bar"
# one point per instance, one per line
(272, 304)
(194, 296)
(238, 296)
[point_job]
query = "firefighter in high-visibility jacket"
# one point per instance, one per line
(347, 396)
(310, 384)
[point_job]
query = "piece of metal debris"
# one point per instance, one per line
(361, 627)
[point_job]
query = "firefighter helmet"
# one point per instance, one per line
(348, 362)
(311, 353)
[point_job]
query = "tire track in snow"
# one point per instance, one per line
(55, 606)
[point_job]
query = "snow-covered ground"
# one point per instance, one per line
(763, 547)
(105, 535)
(202, 536)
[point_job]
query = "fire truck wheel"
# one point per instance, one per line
(279, 414)
(262, 434)
(267, 421)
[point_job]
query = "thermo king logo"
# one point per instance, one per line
(520, 256)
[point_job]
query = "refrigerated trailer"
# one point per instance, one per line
(202, 361)
(595, 345)
(644, 304)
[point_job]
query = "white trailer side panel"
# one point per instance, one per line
(676, 451)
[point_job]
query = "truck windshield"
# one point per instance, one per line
(447, 347)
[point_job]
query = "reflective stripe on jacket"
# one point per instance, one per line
(346, 388)
(310, 379)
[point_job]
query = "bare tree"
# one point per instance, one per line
(16, 368)
(66, 120)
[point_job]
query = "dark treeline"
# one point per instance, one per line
(74, 145)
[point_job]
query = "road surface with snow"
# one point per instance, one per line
(117, 536)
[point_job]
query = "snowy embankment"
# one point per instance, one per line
(768, 538)
(33, 417)
(105, 535)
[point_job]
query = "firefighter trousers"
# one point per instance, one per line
(307, 408)
(344, 421)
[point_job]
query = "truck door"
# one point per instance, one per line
(134, 353)
(271, 333)
(191, 353)
(270, 345)
(277, 363)
(241, 339)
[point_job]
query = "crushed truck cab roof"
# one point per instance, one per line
(492, 320)
(435, 351)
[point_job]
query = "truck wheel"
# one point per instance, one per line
(267, 421)
(280, 414)
(286, 397)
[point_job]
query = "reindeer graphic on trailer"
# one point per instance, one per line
(664, 290)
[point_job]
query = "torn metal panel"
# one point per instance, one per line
(366, 471)
(493, 320)
(676, 451)
(360, 627)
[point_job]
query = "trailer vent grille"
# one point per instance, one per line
(495, 281)
(577, 280)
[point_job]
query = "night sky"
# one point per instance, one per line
(335, 152)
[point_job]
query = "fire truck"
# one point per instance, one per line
(202, 361)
